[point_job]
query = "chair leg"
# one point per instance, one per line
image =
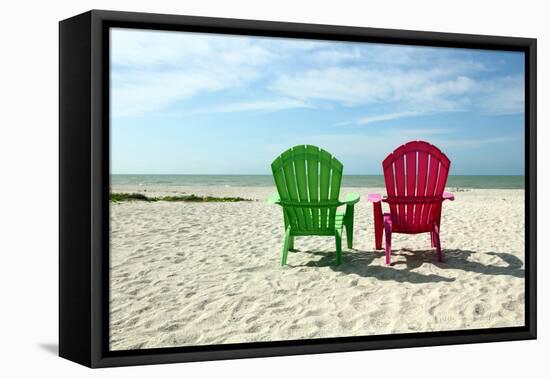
(387, 230)
(349, 230)
(378, 225)
(432, 238)
(348, 224)
(286, 246)
(349, 236)
(437, 241)
(291, 243)
(338, 237)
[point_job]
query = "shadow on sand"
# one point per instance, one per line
(359, 262)
(459, 259)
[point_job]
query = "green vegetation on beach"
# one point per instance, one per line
(119, 197)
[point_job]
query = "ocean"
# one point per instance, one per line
(350, 181)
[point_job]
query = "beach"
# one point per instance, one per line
(186, 273)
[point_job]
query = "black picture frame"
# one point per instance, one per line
(84, 192)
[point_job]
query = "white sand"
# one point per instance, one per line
(209, 273)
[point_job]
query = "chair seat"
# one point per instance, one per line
(338, 225)
(405, 228)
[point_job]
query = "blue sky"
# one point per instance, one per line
(188, 103)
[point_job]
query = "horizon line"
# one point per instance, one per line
(269, 174)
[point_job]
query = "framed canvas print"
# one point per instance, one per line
(234, 188)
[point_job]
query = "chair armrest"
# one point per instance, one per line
(275, 199)
(448, 196)
(351, 199)
(374, 198)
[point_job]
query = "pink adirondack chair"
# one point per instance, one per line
(415, 176)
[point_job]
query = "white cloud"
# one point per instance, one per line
(413, 91)
(267, 106)
(152, 70)
(137, 93)
(422, 90)
(375, 54)
(379, 118)
(149, 49)
(476, 143)
(335, 55)
(504, 95)
(422, 133)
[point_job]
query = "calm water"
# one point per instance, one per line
(480, 182)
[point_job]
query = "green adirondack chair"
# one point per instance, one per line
(308, 184)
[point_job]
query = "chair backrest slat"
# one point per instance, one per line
(324, 181)
(433, 174)
(299, 153)
(389, 178)
(280, 183)
(410, 161)
(415, 169)
(399, 164)
(290, 180)
(313, 181)
(421, 178)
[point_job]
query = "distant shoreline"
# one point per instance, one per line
(350, 181)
